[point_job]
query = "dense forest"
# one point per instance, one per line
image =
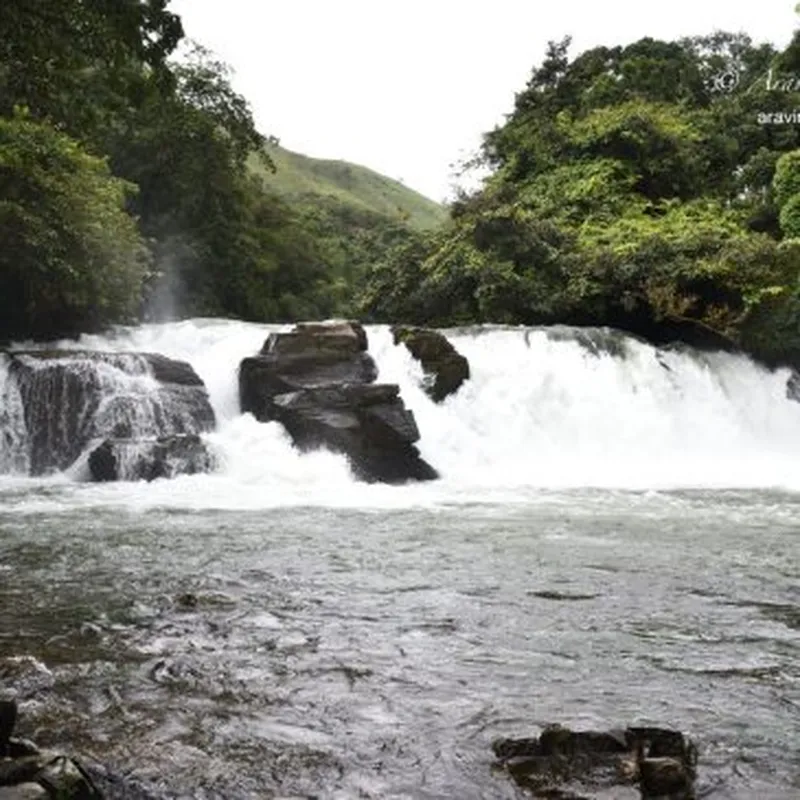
(653, 187)
(134, 184)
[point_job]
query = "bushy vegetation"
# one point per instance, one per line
(635, 186)
(135, 184)
(630, 186)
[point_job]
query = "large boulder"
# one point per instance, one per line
(148, 459)
(318, 381)
(637, 762)
(70, 398)
(444, 367)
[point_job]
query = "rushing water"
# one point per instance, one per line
(614, 541)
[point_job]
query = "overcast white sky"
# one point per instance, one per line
(407, 88)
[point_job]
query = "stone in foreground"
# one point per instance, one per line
(27, 773)
(444, 367)
(644, 763)
(318, 382)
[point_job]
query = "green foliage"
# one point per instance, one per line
(790, 216)
(632, 186)
(307, 180)
(79, 63)
(70, 257)
(184, 148)
(787, 177)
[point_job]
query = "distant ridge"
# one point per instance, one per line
(302, 177)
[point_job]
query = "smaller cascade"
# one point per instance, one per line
(444, 367)
(148, 459)
(72, 399)
(318, 381)
(14, 456)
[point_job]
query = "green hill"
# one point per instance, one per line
(300, 177)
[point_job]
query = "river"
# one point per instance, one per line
(614, 541)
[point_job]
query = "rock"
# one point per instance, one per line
(70, 398)
(8, 719)
(148, 459)
(666, 776)
(445, 368)
(187, 601)
(27, 773)
(565, 763)
(24, 791)
(793, 387)
(318, 381)
(309, 337)
(19, 770)
(63, 778)
(18, 748)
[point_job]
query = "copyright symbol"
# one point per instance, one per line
(724, 81)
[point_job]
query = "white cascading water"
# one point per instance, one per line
(13, 434)
(542, 411)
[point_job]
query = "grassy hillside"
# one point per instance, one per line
(302, 177)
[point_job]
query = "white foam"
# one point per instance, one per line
(540, 412)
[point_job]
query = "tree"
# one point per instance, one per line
(79, 63)
(631, 186)
(71, 259)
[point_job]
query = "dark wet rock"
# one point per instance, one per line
(318, 382)
(171, 371)
(19, 748)
(793, 386)
(444, 367)
(8, 719)
(148, 459)
(665, 776)
(70, 398)
(65, 779)
(564, 763)
(187, 601)
(28, 773)
(550, 594)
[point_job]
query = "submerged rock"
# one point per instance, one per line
(793, 387)
(70, 398)
(318, 381)
(445, 368)
(635, 762)
(148, 459)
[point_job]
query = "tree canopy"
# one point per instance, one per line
(135, 182)
(632, 186)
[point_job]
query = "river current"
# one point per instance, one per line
(614, 540)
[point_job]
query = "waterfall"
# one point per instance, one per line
(59, 402)
(545, 408)
(565, 407)
(14, 455)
